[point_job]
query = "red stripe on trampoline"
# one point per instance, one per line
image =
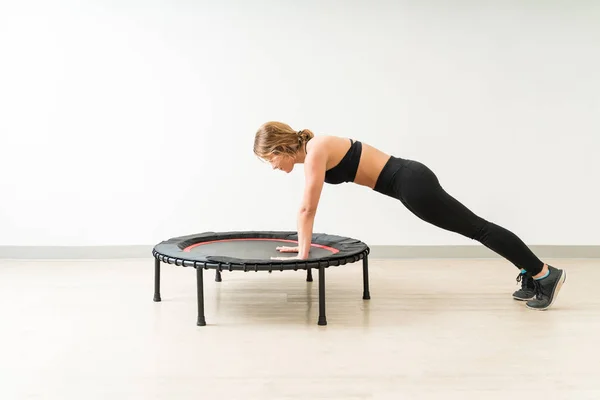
(331, 249)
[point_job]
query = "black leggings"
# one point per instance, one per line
(418, 188)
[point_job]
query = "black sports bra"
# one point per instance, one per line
(345, 170)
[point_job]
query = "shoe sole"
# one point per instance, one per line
(524, 298)
(561, 280)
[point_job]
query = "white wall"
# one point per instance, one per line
(130, 122)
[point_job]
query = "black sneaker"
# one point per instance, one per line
(527, 291)
(546, 289)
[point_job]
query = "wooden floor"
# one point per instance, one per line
(433, 329)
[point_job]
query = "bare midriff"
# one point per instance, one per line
(372, 160)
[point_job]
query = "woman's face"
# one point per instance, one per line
(282, 162)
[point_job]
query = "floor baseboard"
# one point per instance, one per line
(542, 251)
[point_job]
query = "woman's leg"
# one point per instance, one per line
(422, 194)
(418, 188)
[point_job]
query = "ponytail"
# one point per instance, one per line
(305, 135)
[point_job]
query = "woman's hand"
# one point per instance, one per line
(287, 249)
(296, 257)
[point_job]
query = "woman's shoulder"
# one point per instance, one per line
(331, 140)
(327, 143)
(329, 148)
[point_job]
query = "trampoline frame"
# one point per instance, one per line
(270, 266)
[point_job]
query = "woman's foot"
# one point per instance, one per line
(527, 291)
(547, 285)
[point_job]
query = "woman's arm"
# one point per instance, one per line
(315, 166)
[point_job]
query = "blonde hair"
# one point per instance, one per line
(277, 138)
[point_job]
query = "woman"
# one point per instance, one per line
(334, 160)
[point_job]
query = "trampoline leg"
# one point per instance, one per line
(156, 279)
(200, 288)
(218, 276)
(322, 318)
(309, 277)
(366, 294)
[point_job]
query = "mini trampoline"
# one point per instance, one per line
(252, 251)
